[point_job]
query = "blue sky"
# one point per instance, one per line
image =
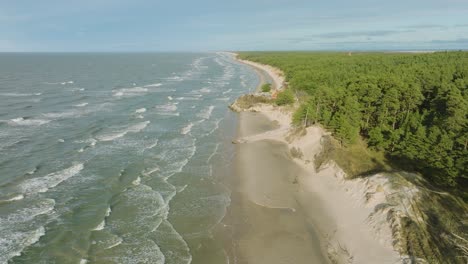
(206, 25)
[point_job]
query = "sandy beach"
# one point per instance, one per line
(283, 210)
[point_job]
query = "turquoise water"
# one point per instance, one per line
(115, 158)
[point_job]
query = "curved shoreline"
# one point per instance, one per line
(333, 206)
(264, 71)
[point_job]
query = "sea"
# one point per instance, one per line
(116, 157)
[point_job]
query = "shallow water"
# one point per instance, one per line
(115, 158)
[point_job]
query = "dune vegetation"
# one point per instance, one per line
(411, 107)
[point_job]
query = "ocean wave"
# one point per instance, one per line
(137, 181)
(21, 121)
(175, 167)
(17, 197)
(108, 211)
(148, 204)
(15, 243)
(27, 214)
(209, 127)
(140, 110)
(135, 91)
(215, 151)
(170, 98)
(184, 98)
(77, 89)
(152, 145)
(81, 105)
(181, 188)
(173, 245)
(150, 171)
(114, 243)
(43, 184)
(204, 90)
(153, 85)
(31, 172)
(228, 91)
(206, 113)
(66, 114)
(167, 109)
(62, 83)
(185, 130)
(132, 129)
(175, 78)
(143, 251)
(223, 99)
(19, 94)
(100, 226)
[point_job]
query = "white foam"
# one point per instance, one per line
(62, 114)
(185, 130)
(228, 91)
(206, 113)
(137, 181)
(223, 99)
(153, 145)
(67, 82)
(150, 171)
(100, 226)
(170, 98)
(20, 121)
(83, 261)
(27, 214)
(42, 184)
(130, 91)
(153, 85)
(212, 154)
(188, 98)
(181, 189)
(61, 140)
(19, 94)
(15, 243)
(167, 109)
(15, 198)
(108, 211)
(175, 78)
(140, 110)
(132, 129)
(119, 241)
(205, 90)
(81, 105)
(31, 172)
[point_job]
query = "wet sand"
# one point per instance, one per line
(265, 221)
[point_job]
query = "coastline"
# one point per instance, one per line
(264, 72)
(341, 215)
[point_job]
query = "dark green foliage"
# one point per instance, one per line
(285, 97)
(412, 106)
(266, 88)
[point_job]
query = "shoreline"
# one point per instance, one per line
(264, 72)
(348, 227)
